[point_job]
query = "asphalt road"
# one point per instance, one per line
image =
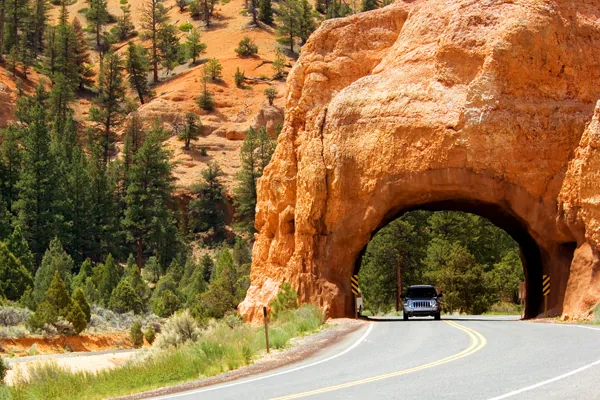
(483, 358)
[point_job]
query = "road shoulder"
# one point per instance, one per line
(302, 348)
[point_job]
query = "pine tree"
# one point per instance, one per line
(80, 300)
(97, 15)
(124, 28)
(208, 267)
(168, 46)
(194, 46)
(57, 294)
(208, 7)
(18, 246)
(206, 210)
(59, 102)
(66, 43)
(16, 12)
(135, 280)
(206, 101)
(108, 105)
(154, 16)
(39, 19)
(289, 22)
(307, 21)
(137, 66)
(254, 11)
(10, 159)
(191, 130)
(85, 272)
(148, 195)
(14, 277)
(50, 51)
(55, 260)
(213, 70)
(265, 12)
(37, 184)
(82, 56)
(76, 316)
(108, 278)
(256, 153)
(368, 5)
(78, 207)
(125, 299)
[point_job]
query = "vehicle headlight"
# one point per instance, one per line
(409, 303)
(432, 303)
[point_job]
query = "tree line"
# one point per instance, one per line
(473, 262)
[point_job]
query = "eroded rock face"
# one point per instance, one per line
(479, 106)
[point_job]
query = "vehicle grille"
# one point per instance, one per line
(421, 304)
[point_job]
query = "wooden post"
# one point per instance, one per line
(266, 327)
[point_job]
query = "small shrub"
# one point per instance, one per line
(203, 152)
(178, 330)
(246, 47)
(271, 93)
(186, 27)
(124, 299)
(33, 350)
(83, 10)
(136, 335)
(45, 314)
(150, 334)
(166, 304)
(505, 308)
(123, 2)
(4, 367)
(239, 78)
(213, 70)
(232, 319)
(206, 101)
(286, 299)
(13, 316)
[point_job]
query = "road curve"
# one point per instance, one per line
(483, 358)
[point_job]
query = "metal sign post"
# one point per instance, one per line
(546, 291)
(355, 291)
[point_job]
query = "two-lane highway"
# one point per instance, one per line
(463, 358)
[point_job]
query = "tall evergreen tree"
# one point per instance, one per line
(194, 46)
(307, 21)
(137, 66)
(265, 12)
(154, 16)
(18, 246)
(82, 56)
(289, 20)
(37, 185)
(97, 16)
(206, 211)
(108, 105)
(10, 162)
(148, 195)
(39, 23)
(55, 260)
(256, 153)
(168, 46)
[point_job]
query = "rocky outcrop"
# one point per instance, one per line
(478, 106)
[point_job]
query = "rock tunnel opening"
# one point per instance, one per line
(531, 254)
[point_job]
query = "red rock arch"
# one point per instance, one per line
(436, 102)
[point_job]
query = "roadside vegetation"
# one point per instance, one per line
(185, 350)
(474, 263)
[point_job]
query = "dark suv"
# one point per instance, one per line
(422, 301)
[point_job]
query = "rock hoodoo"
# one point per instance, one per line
(481, 106)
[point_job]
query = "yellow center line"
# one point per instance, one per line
(478, 342)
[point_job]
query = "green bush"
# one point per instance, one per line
(77, 318)
(271, 93)
(206, 101)
(150, 334)
(286, 299)
(44, 314)
(239, 78)
(166, 304)
(125, 299)
(186, 27)
(246, 47)
(3, 370)
(136, 335)
(213, 70)
(181, 328)
(232, 319)
(203, 152)
(14, 277)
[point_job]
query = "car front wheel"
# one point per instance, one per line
(405, 316)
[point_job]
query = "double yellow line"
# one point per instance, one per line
(478, 342)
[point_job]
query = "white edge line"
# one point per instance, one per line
(208, 389)
(556, 378)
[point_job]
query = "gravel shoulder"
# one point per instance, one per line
(301, 348)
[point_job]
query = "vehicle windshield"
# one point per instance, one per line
(421, 292)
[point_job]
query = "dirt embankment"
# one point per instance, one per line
(29, 346)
